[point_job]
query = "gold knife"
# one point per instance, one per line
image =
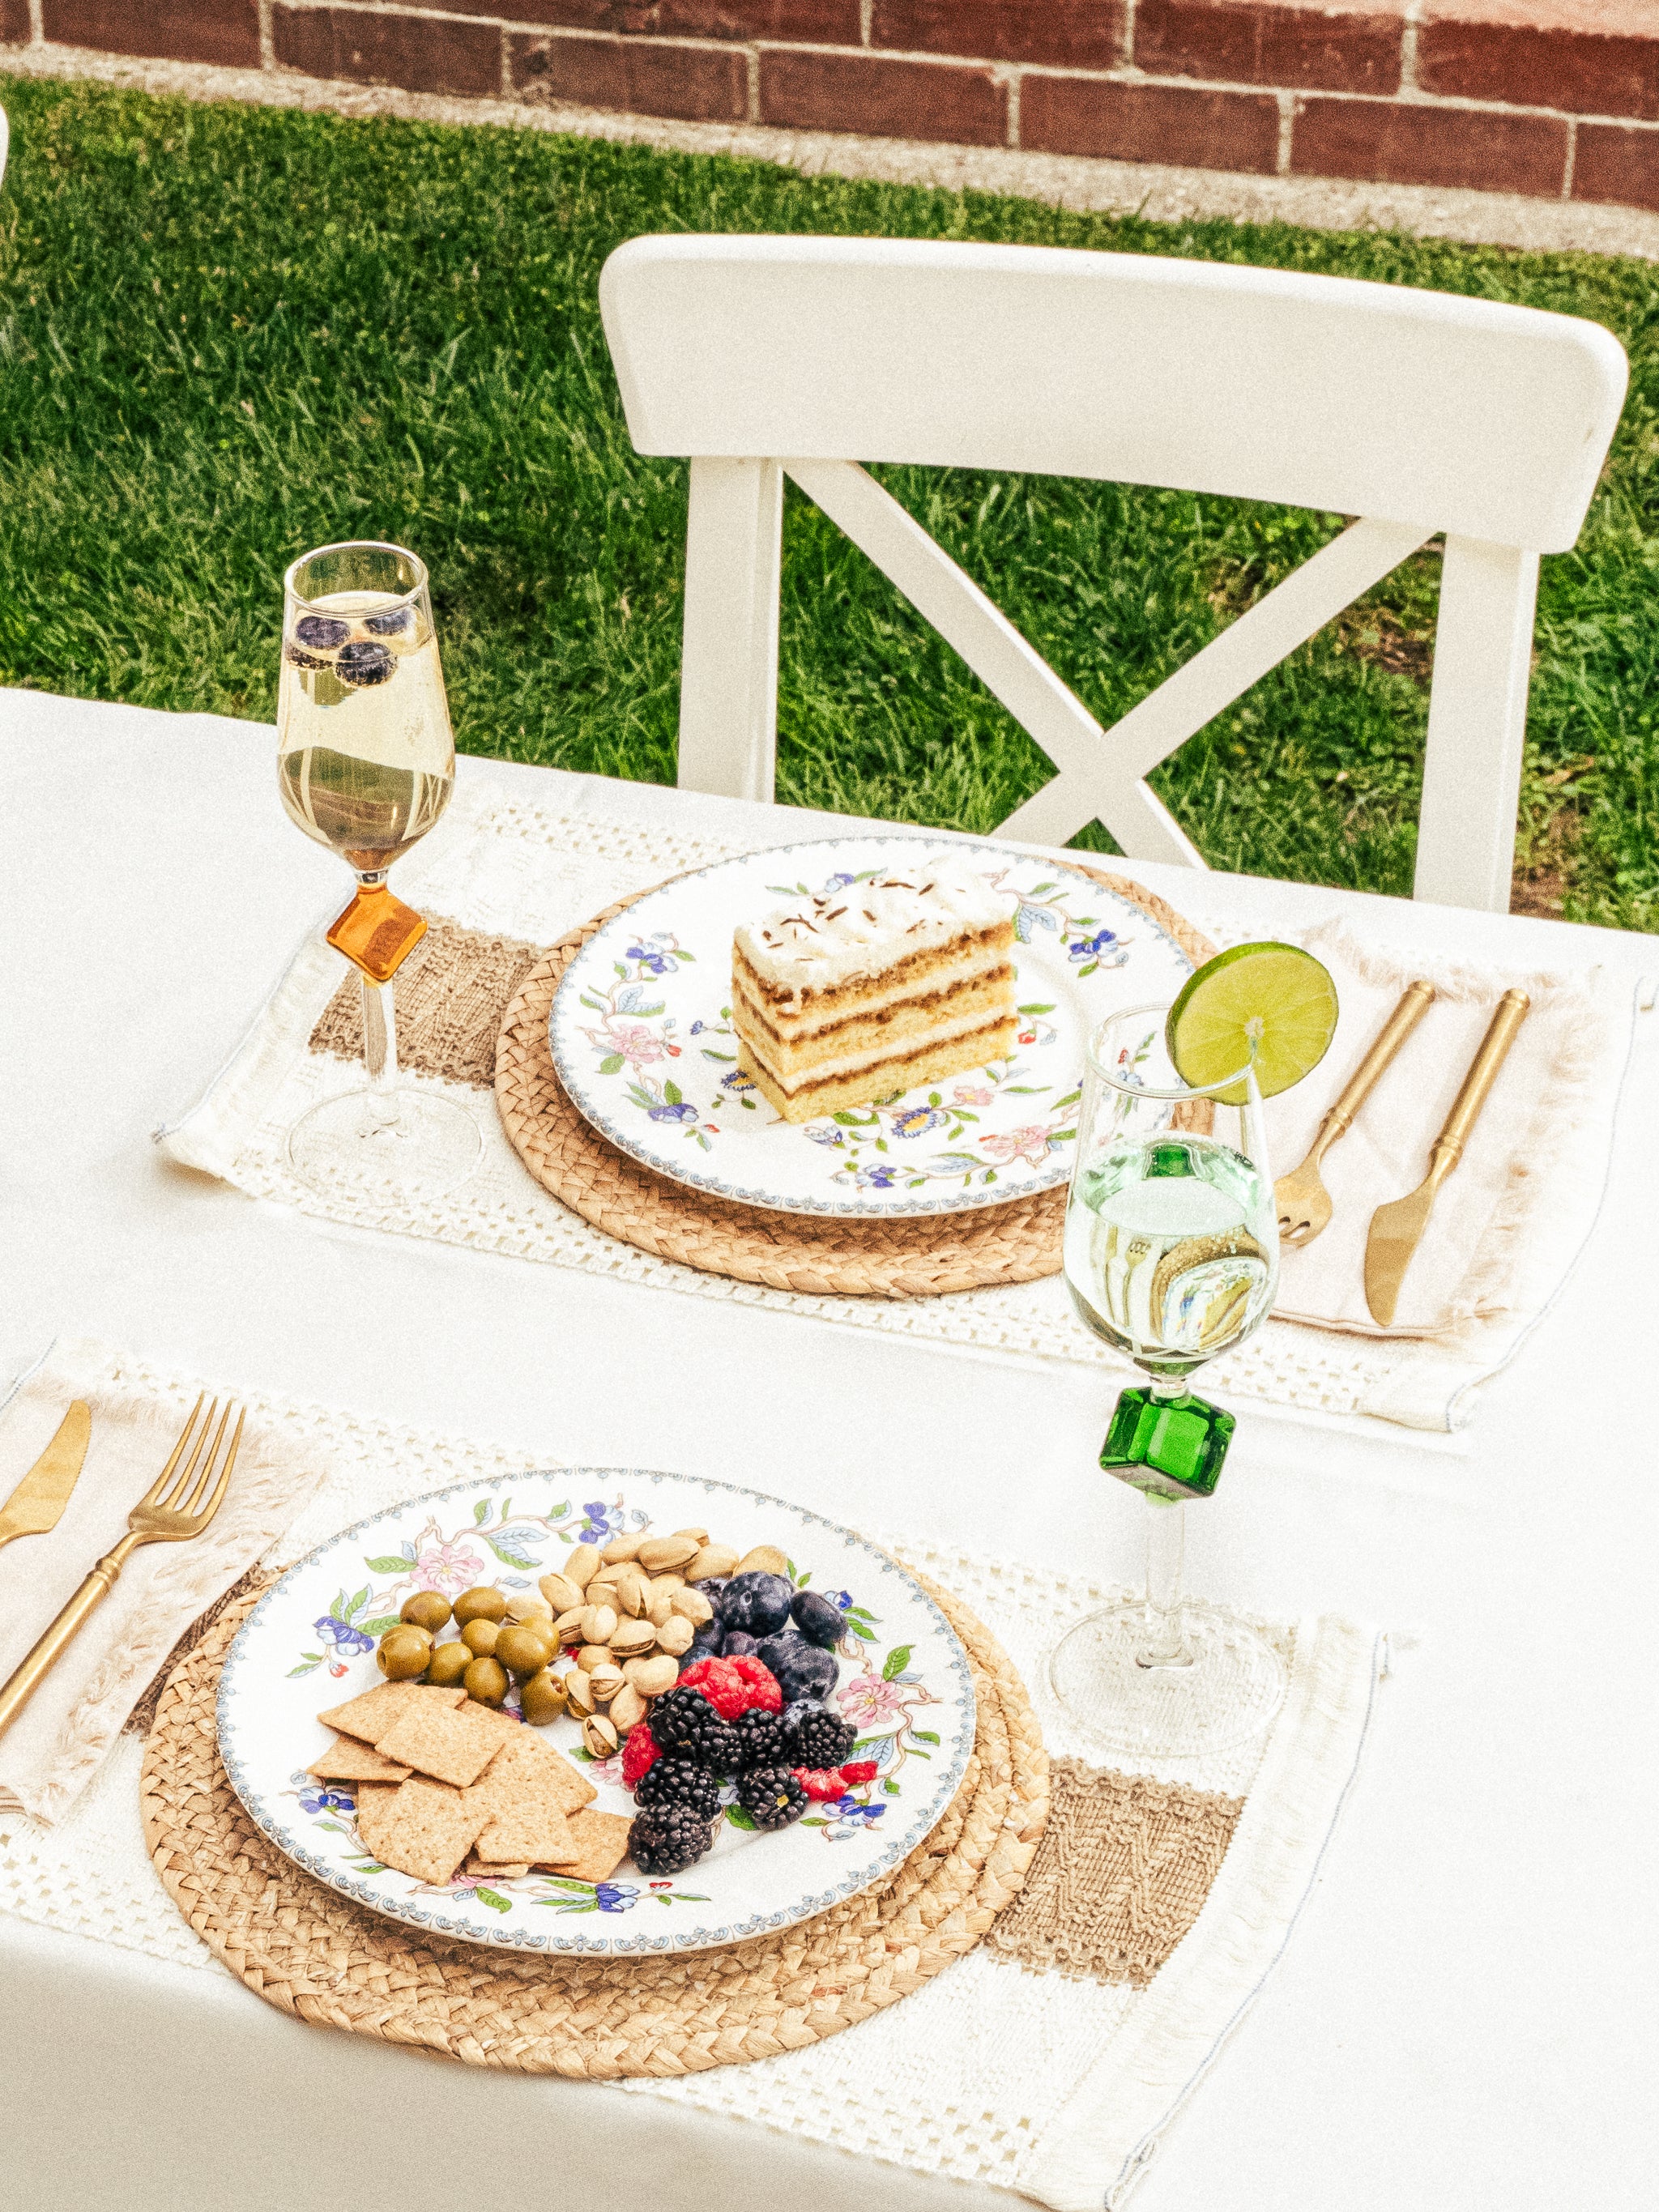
(1397, 1228)
(39, 1499)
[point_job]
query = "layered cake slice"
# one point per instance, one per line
(903, 978)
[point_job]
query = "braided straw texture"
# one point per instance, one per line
(307, 1950)
(803, 1253)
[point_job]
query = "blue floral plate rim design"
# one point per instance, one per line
(889, 1850)
(1040, 1158)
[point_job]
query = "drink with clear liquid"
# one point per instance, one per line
(367, 758)
(1171, 1253)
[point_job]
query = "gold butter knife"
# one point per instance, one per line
(1397, 1228)
(39, 1499)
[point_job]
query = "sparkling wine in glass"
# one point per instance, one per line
(1171, 1257)
(366, 764)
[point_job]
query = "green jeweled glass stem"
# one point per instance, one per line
(1169, 1447)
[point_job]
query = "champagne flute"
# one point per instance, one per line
(366, 764)
(1171, 1256)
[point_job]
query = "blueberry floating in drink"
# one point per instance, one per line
(391, 622)
(364, 663)
(321, 632)
(297, 656)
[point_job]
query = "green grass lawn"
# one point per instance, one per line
(229, 333)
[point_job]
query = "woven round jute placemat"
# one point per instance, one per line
(303, 1948)
(820, 1255)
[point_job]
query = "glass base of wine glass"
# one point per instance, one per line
(386, 1146)
(1223, 1690)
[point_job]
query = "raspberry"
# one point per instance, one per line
(720, 1683)
(858, 1771)
(764, 1695)
(819, 1783)
(641, 1751)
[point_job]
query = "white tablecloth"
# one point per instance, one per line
(1465, 2016)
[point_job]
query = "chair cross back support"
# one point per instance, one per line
(1415, 411)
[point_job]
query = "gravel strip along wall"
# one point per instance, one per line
(1553, 98)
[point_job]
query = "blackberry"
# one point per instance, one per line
(803, 1669)
(760, 1739)
(683, 1721)
(364, 664)
(771, 1796)
(668, 1839)
(814, 1736)
(321, 632)
(757, 1603)
(677, 1780)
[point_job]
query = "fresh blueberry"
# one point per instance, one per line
(711, 1586)
(818, 1621)
(803, 1669)
(321, 631)
(757, 1603)
(737, 1645)
(362, 663)
(708, 1642)
(391, 622)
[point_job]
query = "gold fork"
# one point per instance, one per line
(1304, 1202)
(178, 1505)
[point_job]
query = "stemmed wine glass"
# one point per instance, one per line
(1171, 1256)
(366, 761)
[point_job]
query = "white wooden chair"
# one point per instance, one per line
(1415, 411)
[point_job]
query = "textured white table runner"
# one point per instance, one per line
(503, 866)
(1057, 2088)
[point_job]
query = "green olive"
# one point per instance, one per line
(404, 1653)
(543, 1697)
(426, 1609)
(485, 1681)
(449, 1662)
(522, 1651)
(479, 1638)
(484, 1603)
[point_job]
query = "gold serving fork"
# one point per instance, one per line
(178, 1505)
(1304, 1202)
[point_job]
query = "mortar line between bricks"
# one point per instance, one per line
(267, 33)
(751, 81)
(38, 22)
(506, 63)
(1413, 16)
(1131, 8)
(1286, 126)
(1012, 84)
(867, 20)
(1572, 157)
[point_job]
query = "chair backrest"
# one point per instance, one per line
(1417, 412)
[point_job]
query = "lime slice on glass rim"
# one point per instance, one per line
(1274, 999)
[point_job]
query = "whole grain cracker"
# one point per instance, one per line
(373, 1713)
(477, 1869)
(425, 1829)
(346, 1759)
(451, 1743)
(600, 1841)
(533, 1830)
(525, 1751)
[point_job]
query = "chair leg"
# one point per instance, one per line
(729, 666)
(1477, 726)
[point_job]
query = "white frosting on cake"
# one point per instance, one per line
(817, 944)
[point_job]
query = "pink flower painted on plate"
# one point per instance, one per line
(450, 1568)
(638, 1044)
(1030, 1144)
(966, 1096)
(868, 1701)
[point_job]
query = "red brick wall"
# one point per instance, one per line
(1557, 99)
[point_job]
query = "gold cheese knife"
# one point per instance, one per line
(1397, 1228)
(39, 1499)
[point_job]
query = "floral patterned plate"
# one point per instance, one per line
(640, 1035)
(309, 1642)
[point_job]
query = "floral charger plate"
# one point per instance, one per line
(641, 1034)
(309, 1644)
